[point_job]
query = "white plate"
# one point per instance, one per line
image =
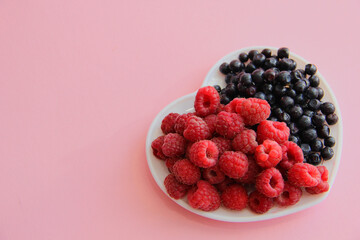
(185, 104)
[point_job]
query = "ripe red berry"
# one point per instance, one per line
(204, 153)
(204, 196)
(168, 123)
(234, 197)
(259, 203)
(233, 164)
(290, 195)
(292, 154)
(245, 141)
(196, 129)
(270, 183)
(276, 131)
(268, 154)
(207, 101)
(174, 145)
(174, 188)
(304, 175)
(156, 146)
(253, 110)
(186, 172)
(229, 125)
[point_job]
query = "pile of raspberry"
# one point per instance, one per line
(214, 156)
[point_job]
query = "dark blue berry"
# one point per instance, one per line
(311, 93)
(259, 59)
(286, 64)
(300, 99)
(323, 131)
(270, 75)
(332, 118)
(235, 66)
(246, 79)
(284, 117)
(286, 102)
(266, 52)
(296, 75)
(228, 78)
(224, 68)
(279, 90)
(276, 112)
(327, 108)
(270, 63)
(314, 104)
(270, 98)
(257, 76)
(284, 78)
(274, 119)
(313, 158)
(283, 52)
(329, 141)
(296, 112)
(294, 139)
(293, 128)
(310, 69)
(217, 88)
(318, 120)
(231, 91)
(267, 88)
(300, 86)
(305, 148)
(260, 95)
(250, 67)
(252, 53)
(309, 113)
(224, 99)
(243, 57)
(250, 91)
(321, 93)
(304, 122)
(308, 135)
(291, 93)
(327, 153)
(316, 145)
(314, 81)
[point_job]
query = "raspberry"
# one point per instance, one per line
(235, 197)
(174, 145)
(253, 110)
(231, 106)
(211, 122)
(186, 172)
(213, 175)
(196, 129)
(207, 101)
(290, 195)
(224, 184)
(270, 182)
(323, 186)
(229, 124)
(259, 203)
(222, 144)
(252, 172)
(187, 151)
(268, 154)
(204, 153)
(168, 123)
(156, 145)
(169, 162)
(304, 175)
(233, 164)
(277, 131)
(204, 196)
(220, 108)
(292, 154)
(245, 141)
(174, 188)
(180, 122)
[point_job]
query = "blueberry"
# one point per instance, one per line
(314, 104)
(310, 69)
(286, 102)
(235, 79)
(327, 108)
(257, 76)
(294, 139)
(318, 120)
(314, 81)
(304, 122)
(267, 88)
(284, 78)
(276, 112)
(309, 113)
(224, 68)
(252, 53)
(329, 141)
(293, 64)
(293, 128)
(296, 112)
(259, 59)
(279, 90)
(228, 78)
(224, 99)
(305, 148)
(300, 86)
(250, 67)
(316, 145)
(260, 95)
(236, 66)
(332, 118)
(300, 99)
(246, 79)
(243, 57)
(323, 131)
(274, 119)
(291, 93)
(321, 93)
(308, 135)
(217, 88)
(270, 98)
(231, 90)
(270, 75)
(327, 153)
(283, 52)
(285, 64)
(250, 91)
(241, 88)
(296, 75)
(270, 63)
(313, 158)
(285, 117)
(311, 93)
(266, 52)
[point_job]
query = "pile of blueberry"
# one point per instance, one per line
(293, 94)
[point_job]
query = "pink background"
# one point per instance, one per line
(81, 81)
